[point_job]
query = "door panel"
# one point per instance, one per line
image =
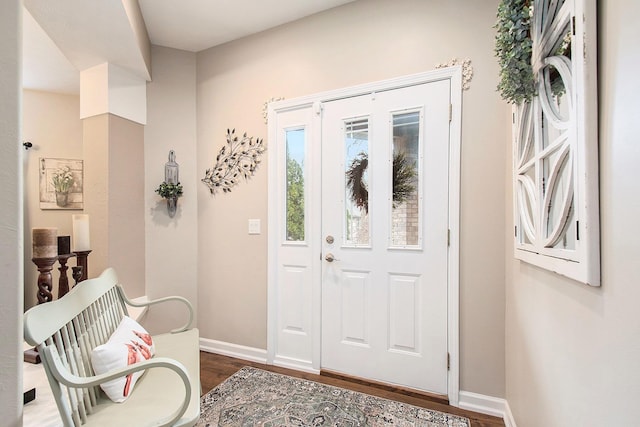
(385, 203)
(354, 308)
(404, 313)
(294, 239)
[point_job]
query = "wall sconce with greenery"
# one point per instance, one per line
(170, 188)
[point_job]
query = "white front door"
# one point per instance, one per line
(385, 172)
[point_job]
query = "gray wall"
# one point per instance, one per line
(571, 351)
(573, 356)
(11, 241)
(360, 42)
(171, 243)
(51, 121)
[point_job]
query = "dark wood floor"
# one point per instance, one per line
(215, 368)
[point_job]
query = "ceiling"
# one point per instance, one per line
(91, 33)
(195, 25)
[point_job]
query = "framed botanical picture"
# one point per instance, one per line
(61, 182)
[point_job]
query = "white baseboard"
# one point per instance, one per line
(297, 364)
(509, 421)
(234, 350)
(253, 355)
(486, 405)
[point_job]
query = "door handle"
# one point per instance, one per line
(330, 258)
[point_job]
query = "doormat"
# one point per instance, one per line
(254, 397)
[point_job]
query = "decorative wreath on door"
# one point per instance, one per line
(404, 173)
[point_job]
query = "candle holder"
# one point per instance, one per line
(63, 282)
(45, 279)
(76, 273)
(32, 356)
(45, 249)
(83, 261)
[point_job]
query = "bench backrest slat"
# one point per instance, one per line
(80, 365)
(85, 355)
(38, 325)
(74, 325)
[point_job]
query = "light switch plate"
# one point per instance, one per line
(254, 226)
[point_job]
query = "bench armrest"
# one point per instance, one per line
(64, 376)
(187, 326)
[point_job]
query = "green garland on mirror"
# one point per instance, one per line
(513, 49)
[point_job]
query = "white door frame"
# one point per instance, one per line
(313, 102)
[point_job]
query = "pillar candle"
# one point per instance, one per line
(81, 233)
(64, 245)
(45, 242)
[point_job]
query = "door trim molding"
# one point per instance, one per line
(454, 74)
(453, 309)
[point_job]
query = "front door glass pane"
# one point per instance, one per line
(405, 203)
(295, 184)
(356, 219)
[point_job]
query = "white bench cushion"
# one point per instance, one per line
(129, 341)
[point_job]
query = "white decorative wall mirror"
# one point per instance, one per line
(555, 152)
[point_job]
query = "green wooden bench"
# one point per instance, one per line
(66, 331)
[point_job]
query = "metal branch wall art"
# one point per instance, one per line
(239, 158)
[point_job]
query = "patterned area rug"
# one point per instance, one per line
(253, 397)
